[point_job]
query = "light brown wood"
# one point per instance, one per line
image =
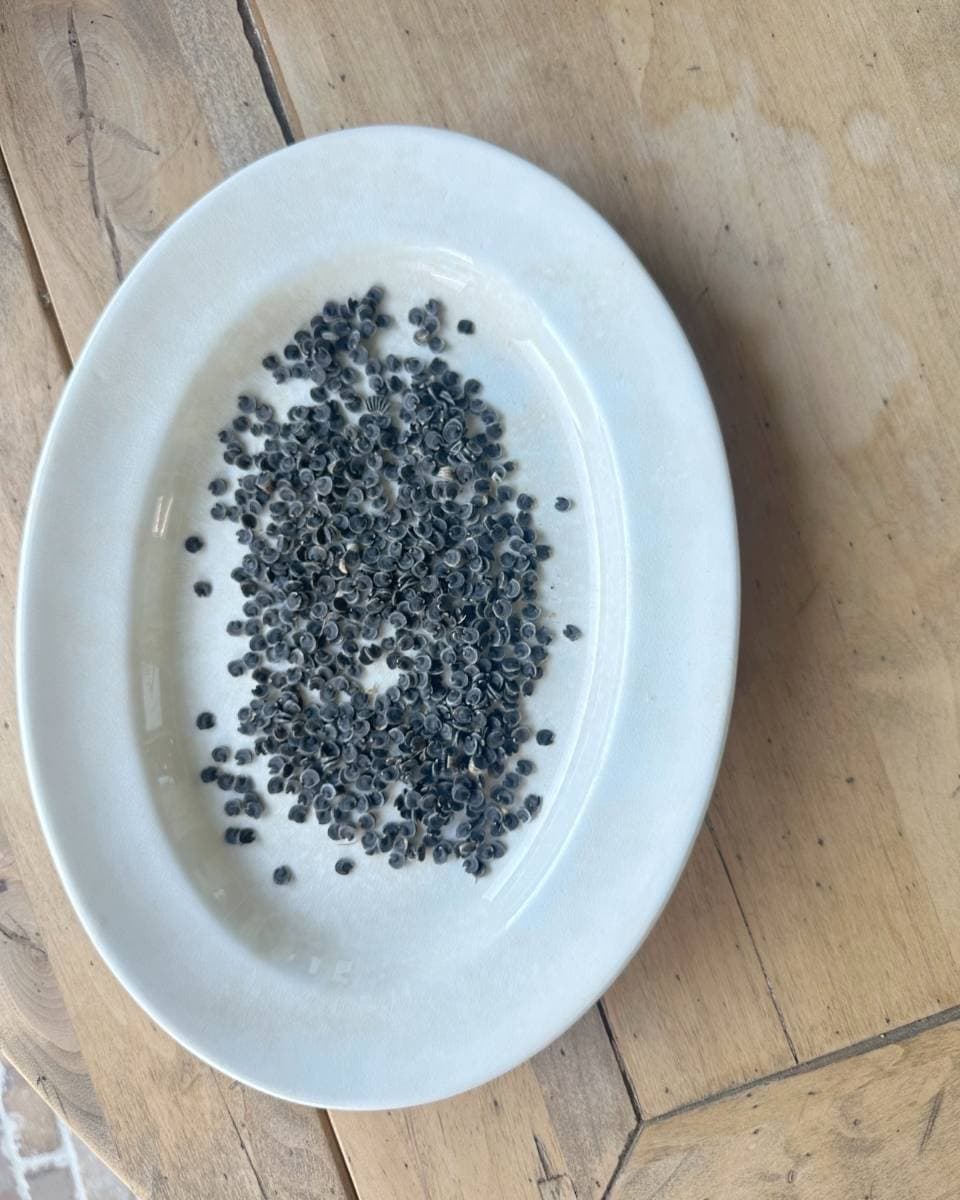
(553, 1128)
(805, 236)
(788, 172)
(118, 116)
(474, 74)
(881, 1125)
(165, 1122)
(36, 1031)
(692, 1014)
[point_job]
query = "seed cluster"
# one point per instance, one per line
(378, 526)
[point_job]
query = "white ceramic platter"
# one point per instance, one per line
(385, 988)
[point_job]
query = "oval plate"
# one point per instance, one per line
(386, 988)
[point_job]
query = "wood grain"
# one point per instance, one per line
(472, 68)
(805, 237)
(881, 1126)
(553, 1128)
(692, 1014)
(166, 1123)
(117, 117)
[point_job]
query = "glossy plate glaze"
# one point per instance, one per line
(384, 988)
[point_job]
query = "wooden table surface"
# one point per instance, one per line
(790, 173)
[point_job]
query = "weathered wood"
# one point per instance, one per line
(881, 1125)
(692, 1014)
(805, 236)
(166, 1123)
(117, 117)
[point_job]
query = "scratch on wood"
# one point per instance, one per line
(243, 1144)
(47, 1086)
(124, 135)
(545, 1164)
(86, 117)
(22, 939)
(935, 1105)
(114, 246)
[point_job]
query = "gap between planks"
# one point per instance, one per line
(753, 942)
(892, 1037)
(269, 71)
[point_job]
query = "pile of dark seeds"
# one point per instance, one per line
(378, 526)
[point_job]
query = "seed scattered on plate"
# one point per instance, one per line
(376, 526)
(544, 737)
(193, 544)
(572, 633)
(202, 587)
(562, 504)
(343, 866)
(206, 720)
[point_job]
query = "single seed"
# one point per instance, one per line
(206, 720)
(281, 875)
(465, 326)
(562, 504)
(343, 866)
(572, 633)
(193, 544)
(544, 737)
(202, 587)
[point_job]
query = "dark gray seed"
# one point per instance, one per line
(232, 808)
(562, 504)
(572, 633)
(545, 737)
(282, 875)
(206, 720)
(208, 775)
(343, 866)
(298, 813)
(202, 587)
(220, 754)
(396, 859)
(193, 544)
(231, 835)
(465, 326)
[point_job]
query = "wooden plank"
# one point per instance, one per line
(559, 1122)
(805, 237)
(165, 1122)
(881, 1125)
(117, 117)
(36, 1031)
(692, 1014)
(676, 1041)
(554, 1128)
